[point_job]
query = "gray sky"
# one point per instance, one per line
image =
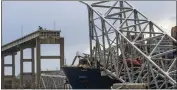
(72, 18)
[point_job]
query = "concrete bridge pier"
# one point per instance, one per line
(22, 60)
(4, 77)
(40, 41)
(38, 62)
(2, 71)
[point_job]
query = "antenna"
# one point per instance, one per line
(54, 25)
(21, 30)
(65, 62)
(2, 38)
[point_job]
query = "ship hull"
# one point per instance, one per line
(80, 78)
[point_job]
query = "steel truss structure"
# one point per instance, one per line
(118, 33)
(55, 80)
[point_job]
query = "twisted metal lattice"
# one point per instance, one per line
(118, 33)
(55, 80)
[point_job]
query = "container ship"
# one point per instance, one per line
(83, 76)
(87, 78)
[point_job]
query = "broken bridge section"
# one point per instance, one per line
(118, 32)
(33, 40)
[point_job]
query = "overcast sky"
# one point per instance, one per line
(72, 18)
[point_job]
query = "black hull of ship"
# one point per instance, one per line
(89, 78)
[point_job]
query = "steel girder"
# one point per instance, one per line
(52, 81)
(119, 32)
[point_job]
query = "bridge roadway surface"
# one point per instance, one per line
(30, 39)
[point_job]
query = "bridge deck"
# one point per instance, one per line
(29, 39)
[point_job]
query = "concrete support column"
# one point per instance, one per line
(32, 66)
(38, 62)
(61, 52)
(13, 71)
(21, 67)
(2, 72)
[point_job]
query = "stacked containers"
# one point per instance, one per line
(174, 32)
(174, 35)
